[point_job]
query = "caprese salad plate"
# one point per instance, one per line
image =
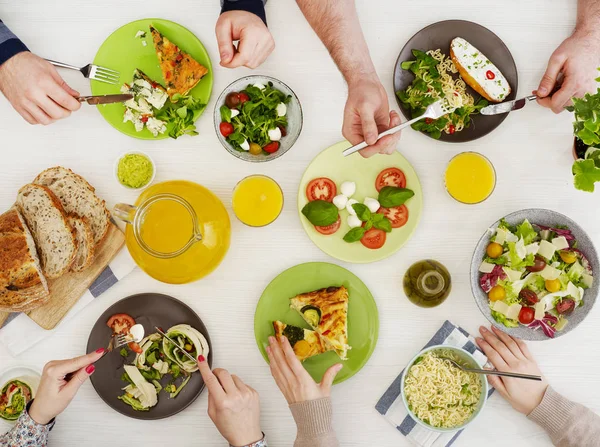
(533, 274)
(359, 210)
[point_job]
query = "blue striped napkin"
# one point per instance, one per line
(19, 332)
(392, 407)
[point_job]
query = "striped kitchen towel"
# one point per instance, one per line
(19, 332)
(392, 407)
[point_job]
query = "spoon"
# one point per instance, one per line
(494, 373)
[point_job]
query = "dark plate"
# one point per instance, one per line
(439, 35)
(149, 310)
(550, 219)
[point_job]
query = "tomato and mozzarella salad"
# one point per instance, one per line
(370, 220)
(534, 276)
(255, 119)
(125, 324)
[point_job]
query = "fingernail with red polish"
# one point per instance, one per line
(100, 351)
(201, 358)
(90, 369)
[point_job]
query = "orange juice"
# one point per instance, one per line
(470, 178)
(257, 200)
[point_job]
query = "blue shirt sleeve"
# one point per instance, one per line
(254, 6)
(9, 44)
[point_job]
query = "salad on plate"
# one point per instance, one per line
(534, 276)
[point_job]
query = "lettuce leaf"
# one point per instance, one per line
(526, 231)
(503, 320)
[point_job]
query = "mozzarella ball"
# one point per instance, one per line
(349, 206)
(372, 204)
(348, 189)
(340, 201)
(354, 221)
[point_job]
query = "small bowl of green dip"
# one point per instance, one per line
(135, 170)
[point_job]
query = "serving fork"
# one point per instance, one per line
(91, 71)
(433, 111)
(493, 372)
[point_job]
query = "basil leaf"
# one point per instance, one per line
(362, 211)
(384, 225)
(355, 234)
(368, 225)
(391, 196)
(225, 114)
(377, 217)
(320, 213)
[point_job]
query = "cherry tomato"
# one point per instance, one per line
(283, 130)
(538, 266)
(244, 97)
(494, 250)
(374, 239)
(272, 147)
(552, 285)
(226, 129)
(451, 129)
(330, 229)
(255, 149)
(397, 215)
(135, 347)
(568, 257)
(565, 306)
(390, 177)
(321, 188)
(526, 315)
(497, 293)
(490, 74)
(232, 100)
(428, 120)
(144, 119)
(120, 323)
(528, 297)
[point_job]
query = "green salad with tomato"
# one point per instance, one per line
(255, 119)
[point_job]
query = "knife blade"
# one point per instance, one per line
(176, 344)
(505, 107)
(104, 99)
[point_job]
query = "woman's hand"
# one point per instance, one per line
(233, 406)
(293, 380)
(508, 354)
(61, 379)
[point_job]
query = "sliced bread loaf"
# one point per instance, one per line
(78, 197)
(48, 224)
(85, 243)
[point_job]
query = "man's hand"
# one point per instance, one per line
(367, 113)
(255, 39)
(36, 90)
(577, 58)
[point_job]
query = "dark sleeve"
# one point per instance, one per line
(9, 44)
(254, 6)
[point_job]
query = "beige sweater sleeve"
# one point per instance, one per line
(314, 421)
(569, 424)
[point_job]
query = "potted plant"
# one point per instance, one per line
(586, 128)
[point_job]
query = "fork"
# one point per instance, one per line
(433, 111)
(493, 373)
(92, 71)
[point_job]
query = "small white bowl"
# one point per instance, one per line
(116, 169)
(467, 357)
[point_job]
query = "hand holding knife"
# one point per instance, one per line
(516, 104)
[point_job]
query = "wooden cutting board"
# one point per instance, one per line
(66, 290)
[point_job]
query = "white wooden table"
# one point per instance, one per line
(531, 153)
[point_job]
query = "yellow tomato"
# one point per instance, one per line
(568, 256)
(497, 293)
(301, 348)
(552, 285)
(255, 149)
(188, 347)
(494, 250)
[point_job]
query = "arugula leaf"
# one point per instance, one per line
(320, 213)
(355, 234)
(586, 173)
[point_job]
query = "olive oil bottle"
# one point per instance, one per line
(427, 283)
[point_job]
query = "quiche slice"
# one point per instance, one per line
(306, 343)
(326, 311)
(180, 70)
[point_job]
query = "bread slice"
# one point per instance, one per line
(77, 197)
(22, 283)
(85, 243)
(48, 224)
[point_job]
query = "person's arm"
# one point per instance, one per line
(309, 402)
(568, 424)
(9, 44)
(577, 59)
(26, 432)
(243, 21)
(367, 111)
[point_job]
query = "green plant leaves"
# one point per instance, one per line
(586, 174)
(320, 213)
(391, 196)
(355, 234)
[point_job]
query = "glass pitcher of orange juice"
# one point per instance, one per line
(177, 232)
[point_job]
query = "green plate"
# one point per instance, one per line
(363, 317)
(363, 171)
(123, 52)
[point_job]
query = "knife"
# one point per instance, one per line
(104, 99)
(176, 344)
(505, 107)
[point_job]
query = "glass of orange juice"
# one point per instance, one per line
(470, 178)
(257, 200)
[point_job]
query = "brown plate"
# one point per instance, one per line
(439, 35)
(149, 310)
